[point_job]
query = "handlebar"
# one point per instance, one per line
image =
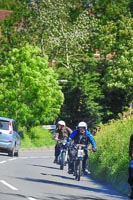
(80, 146)
(61, 141)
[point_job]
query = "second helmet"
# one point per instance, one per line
(61, 122)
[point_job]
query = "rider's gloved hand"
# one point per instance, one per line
(94, 149)
(67, 143)
(70, 139)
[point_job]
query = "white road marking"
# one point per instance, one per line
(8, 185)
(3, 161)
(40, 157)
(23, 157)
(12, 159)
(36, 157)
(31, 157)
(30, 198)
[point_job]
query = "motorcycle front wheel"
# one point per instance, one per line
(78, 170)
(62, 161)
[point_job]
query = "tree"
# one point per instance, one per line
(114, 42)
(29, 90)
(69, 33)
(82, 103)
(65, 38)
(110, 9)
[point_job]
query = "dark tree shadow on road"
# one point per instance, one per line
(49, 167)
(55, 175)
(75, 197)
(79, 187)
(10, 195)
(49, 197)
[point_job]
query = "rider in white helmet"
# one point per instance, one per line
(82, 125)
(62, 132)
(61, 122)
(82, 136)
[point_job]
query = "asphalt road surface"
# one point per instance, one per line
(34, 176)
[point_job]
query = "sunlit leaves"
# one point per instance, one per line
(31, 93)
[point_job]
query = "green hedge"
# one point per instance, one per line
(37, 137)
(110, 163)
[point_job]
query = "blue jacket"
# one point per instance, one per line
(86, 138)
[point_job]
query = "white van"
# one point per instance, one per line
(9, 137)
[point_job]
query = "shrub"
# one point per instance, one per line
(112, 157)
(41, 137)
(37, 137)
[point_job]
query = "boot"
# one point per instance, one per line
(85, 171)
(70, 171)
(131, 192)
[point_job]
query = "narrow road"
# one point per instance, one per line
(34, 176)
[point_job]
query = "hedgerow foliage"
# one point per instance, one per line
(37, 137)
(110, 163)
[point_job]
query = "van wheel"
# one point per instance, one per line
(16, 154)
(11, 153)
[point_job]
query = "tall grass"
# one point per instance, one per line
(110, 163)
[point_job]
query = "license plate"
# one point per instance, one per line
(80, 153)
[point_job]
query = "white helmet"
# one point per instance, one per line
(82, 125)
(62, 123)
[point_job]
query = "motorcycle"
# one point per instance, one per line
(63, 156)
(78, 161)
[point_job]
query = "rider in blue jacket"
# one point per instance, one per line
(82, 136)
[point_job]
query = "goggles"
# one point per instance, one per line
(82, 128)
